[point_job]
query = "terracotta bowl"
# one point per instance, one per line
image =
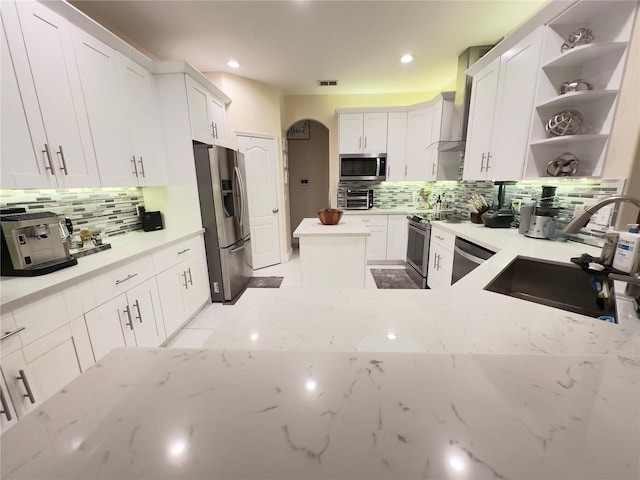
(330, 216)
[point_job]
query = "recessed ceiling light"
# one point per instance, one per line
(233, 63)
(406, 58)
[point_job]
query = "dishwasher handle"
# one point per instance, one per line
(468, 256)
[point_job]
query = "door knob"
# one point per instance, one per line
(275, 210)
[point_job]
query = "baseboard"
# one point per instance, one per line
(386, 262)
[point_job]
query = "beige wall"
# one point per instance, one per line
(255, 108)
(322, 108)
(309, 159)
(623, 155)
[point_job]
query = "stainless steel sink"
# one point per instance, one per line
(563, 286)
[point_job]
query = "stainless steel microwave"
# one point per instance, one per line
(363, 166)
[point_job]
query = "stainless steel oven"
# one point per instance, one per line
(418, 249)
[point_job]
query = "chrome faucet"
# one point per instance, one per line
(581, 220)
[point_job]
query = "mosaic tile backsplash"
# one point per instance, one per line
(107, 211)
(571, 194)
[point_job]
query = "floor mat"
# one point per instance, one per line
(265, 282)
(392, 278)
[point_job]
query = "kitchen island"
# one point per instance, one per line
(215, 414)
(332, 256)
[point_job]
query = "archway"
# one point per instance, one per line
(308, 156)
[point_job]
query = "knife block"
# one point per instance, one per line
(477, 217)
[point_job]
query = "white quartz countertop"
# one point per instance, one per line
(208, 414)
(123, 249)
(347, 227)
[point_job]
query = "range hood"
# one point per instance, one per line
(463, 99)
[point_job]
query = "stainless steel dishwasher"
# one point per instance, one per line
(466, 257)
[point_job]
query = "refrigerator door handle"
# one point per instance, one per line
(241, 196)
(241, 247)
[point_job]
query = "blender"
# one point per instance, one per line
(544, 216)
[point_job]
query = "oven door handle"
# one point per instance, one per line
(468, 256)
(421, 231)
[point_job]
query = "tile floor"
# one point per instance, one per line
(195, 333)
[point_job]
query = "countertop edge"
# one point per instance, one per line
(137, 245)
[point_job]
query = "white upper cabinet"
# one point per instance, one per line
(419, 126)
(98, 67)
(68, 150)
(500, 114)
(206, 113)
(23, 164)
(599, 63)
(396, 146)
(362, 132)
(141, 120)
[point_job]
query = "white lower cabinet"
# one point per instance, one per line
(397, 237)
(184, 286)
(38, 370)
(440, 259)
(377, 241)
(133, 319)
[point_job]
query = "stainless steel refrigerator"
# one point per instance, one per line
(224, 210)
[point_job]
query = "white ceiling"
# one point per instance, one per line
(293, 44)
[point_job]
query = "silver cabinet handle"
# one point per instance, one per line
(23, 376)
(190, 277)
(129, 324)
(185, 284)
(215, 129)
(64, 163)
(135, 167)
(183, 251)
(5, 406)
(359, 143)
(11, 334)
(486, 169)
(439, 237)
(47, 152)
(139, 316)
(141, 162)
(365, 142)
(433, 169)
(482, 163)
(129, 277)
(405, 170)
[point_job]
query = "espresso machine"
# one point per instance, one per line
(33, 243)
(544, 215)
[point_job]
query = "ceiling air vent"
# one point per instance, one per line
(328, 83)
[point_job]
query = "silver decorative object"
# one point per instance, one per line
(577, 85)
(564, 165)
(582, 36)
(567, 122)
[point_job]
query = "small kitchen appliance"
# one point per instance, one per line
(358, 199)
(151, 221)
(34, 244)
(499, 217)
(544, 216)
(363, 166)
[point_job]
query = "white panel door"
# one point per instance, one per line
(374, 131)
(98, 67)
(419, 126)
(396, 146)
(142, 123)
(23, 163)
(146, 314)
(55, 74)
(105, 325)
(514, 107)
(262, 190)
(198, 99)
(481, 113)
(350, 133)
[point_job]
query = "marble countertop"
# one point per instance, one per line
(123, 249)
(347, 227)
(196, 414)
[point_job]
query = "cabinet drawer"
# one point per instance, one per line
(117, 281)
(174, 254)
(443, 238)
(7, 326)
(380, 220)
(40, 317)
